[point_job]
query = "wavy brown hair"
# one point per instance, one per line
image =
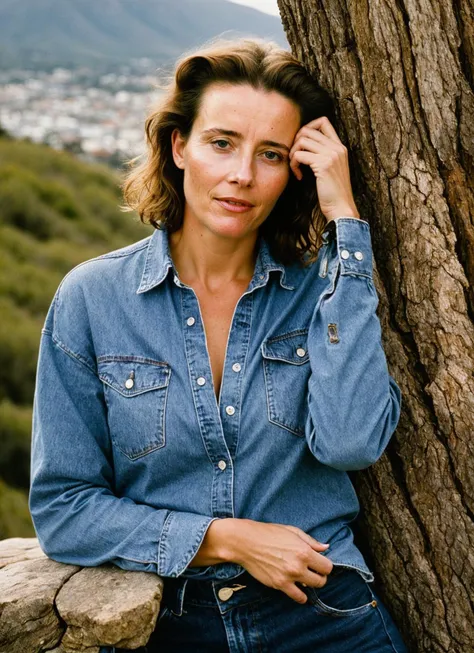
(154, 188)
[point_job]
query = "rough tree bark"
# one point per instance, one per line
(401, 73)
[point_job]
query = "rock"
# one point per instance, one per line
(28, 620)
(17, 549)
(49, 606)
(121, 611)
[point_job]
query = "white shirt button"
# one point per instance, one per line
(300, 352)
(129, 383)
(345, 253)
(359, 256)
(222, 464)
(236, 367)
(201, 380)
(230, 410)
(190, 321)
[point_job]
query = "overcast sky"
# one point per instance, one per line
(268, 6)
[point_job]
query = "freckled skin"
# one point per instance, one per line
(240, 167)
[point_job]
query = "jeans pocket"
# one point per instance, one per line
(346, 594)
(163, 614)
(286, 370)
(136, 390)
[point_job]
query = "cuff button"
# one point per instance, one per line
(344, 253)
(359, 256)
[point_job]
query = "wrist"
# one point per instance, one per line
(222, 539)
(344, 212)
(228, 535)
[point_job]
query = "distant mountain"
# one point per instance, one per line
(76, 32)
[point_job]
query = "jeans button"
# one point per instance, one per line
(225, 593)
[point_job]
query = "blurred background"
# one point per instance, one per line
(77, 78)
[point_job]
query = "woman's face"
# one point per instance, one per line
(238, 147)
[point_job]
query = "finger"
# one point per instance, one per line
(313, 579)
(296, 594)
(320, 564)
(324, 125)
(307, 538)
(314, 142)
(296, 170)
(300, 156)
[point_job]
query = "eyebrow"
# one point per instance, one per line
(229, 132)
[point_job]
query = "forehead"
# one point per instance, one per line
(236, 106)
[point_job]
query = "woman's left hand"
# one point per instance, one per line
(317, 144)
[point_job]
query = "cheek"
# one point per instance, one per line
(202, 166)
(275, 184)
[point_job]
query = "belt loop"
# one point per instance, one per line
(178, 586)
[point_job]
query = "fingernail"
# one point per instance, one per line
(326, 545)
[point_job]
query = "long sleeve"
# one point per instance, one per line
(354, 404)
(77, 517)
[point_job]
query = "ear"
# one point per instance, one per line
(177, 145)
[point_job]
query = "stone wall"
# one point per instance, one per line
(50, 606)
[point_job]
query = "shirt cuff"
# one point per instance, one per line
(354, 245)
(181, 536)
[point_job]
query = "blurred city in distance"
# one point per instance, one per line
(82, 77)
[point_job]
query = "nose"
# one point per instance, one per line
(242, 171)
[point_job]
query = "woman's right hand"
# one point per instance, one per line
(279, 555)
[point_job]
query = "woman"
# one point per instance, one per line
(201, 394)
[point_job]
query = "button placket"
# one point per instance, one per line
(230, 396)
(218, 441)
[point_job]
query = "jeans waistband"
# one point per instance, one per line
(220, 594)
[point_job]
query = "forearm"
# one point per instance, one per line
(220, 544)
(354, 404)
(77, 517)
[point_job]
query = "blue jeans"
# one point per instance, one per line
(345, 615)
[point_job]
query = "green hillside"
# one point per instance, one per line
(55, 212)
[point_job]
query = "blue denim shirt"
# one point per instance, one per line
(132, 455)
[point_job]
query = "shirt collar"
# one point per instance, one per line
(158, 261)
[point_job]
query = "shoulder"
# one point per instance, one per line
(89, 270)
(93, 282)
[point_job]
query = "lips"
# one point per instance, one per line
(235, 200)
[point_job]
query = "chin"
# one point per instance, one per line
(234, 227)
(234, 232)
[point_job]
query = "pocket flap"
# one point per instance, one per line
(289, 347)
(132, 375)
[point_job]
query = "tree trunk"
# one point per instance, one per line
(401, 73)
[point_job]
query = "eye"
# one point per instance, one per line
(220, 140)
(278, 157)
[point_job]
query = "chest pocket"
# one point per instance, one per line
(136, 391)
(286, 369)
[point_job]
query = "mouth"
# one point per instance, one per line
(232, 204)
(234, 200)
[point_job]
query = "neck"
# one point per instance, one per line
(212, 262)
